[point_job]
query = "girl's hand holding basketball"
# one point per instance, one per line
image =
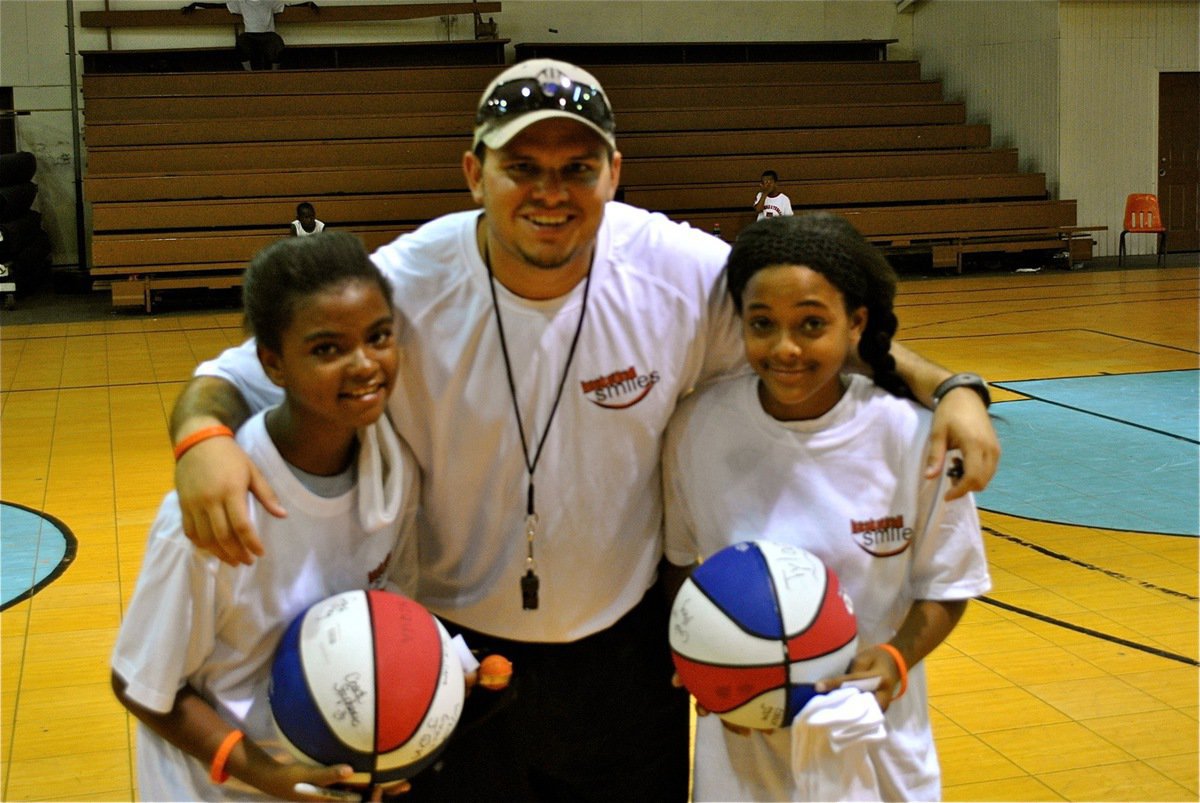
(293, 781)
(873, 670)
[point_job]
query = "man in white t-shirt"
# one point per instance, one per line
(547, 338)
(770, 201)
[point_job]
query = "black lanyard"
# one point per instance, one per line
(529, 581)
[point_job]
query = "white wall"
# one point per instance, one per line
(1110, 56)
(574, 21)
(33, 47)
(1072, 84)
(1001, 59)
(697, 20)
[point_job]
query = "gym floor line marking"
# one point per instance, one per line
(1069, 377)
(34, 556)
(911, 286)
(1183, 659)
(1143, 342)
(1090, 566)
(1085, 411)
(69, 388)
(17, 338)
(1044, 520)
(1052, 308)
(992, 297)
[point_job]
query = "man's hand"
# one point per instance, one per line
(213, 476)
(212, 479)
(961, 422)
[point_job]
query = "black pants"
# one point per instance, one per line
(262, 50)
(592, 720)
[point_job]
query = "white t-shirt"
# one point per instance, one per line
(848, 487)
(194, 620)
(258, 16)
(298, 229)
(658, 322)
(776, 206)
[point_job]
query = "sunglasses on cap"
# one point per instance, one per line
(514, 98)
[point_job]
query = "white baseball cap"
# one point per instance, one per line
(539, 89)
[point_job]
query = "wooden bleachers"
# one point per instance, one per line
(706, 52)
(190, 173)
(283, 128)
(397, 151)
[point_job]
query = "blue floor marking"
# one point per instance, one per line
(34, 549)
(1166, 401)
(1114, 452)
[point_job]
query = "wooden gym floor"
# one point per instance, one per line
(1075, 679)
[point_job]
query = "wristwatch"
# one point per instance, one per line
(973, 381)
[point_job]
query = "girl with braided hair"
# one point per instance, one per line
(803, 453)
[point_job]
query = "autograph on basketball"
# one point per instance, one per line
(680, 620)
(350, 695)
(795, 565)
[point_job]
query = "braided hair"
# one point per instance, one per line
(828, 244)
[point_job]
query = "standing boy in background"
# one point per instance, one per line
(770, 201)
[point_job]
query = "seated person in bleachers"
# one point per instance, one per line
(258, 43)
(306, 222)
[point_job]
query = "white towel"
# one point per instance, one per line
(380, 480)
(465, 657)
(830, 736)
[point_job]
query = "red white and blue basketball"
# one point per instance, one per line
(755, 626)
(369, 679)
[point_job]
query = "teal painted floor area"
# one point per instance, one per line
(1167, 401)
(34, 549)
(1116, 452)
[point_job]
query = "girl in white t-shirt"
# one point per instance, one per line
(803, 454)
(194, 652)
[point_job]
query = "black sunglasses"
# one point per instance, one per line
(529, 94)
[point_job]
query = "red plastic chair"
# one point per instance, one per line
(1143, 217)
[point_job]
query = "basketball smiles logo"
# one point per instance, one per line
(620, 389)
(882, 537)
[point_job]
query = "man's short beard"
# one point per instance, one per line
(542, 264)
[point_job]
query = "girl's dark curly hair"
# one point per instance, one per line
(284, 273)
(828, 244)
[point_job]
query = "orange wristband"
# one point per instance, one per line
(903, 667)
(217, 773)
(216, 431)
